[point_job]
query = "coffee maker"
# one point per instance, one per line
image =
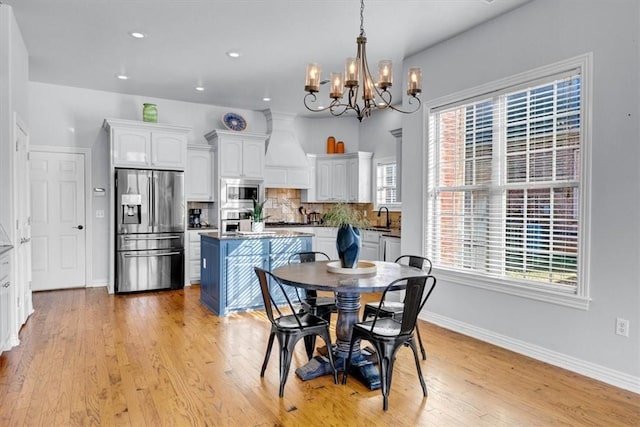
(194, 218)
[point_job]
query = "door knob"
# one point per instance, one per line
(79, 227)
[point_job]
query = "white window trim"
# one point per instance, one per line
(581, 299)
(393, 207)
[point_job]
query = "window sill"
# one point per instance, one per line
(513, 288)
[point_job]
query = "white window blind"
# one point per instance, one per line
(504, 183)
(386, 183)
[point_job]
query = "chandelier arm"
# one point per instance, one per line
(314, 99)
(410, 102)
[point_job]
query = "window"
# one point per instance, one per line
(505, 185)
(387, 183)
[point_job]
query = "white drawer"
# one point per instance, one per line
(371, 236)
(194, 251)
(325, 231)
(194, 236)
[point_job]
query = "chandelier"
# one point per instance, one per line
(357, 82)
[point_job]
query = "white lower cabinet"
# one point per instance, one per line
(390, 248)
(326, 241)
(370, 245)
(193, 256)
(5, 303)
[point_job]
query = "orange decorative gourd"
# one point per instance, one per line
(340, 147)
(331, 145)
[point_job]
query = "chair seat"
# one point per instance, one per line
(307, 320)
(385, 327)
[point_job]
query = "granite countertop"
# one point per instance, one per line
(277, 234)
(5, 248)
(203, 228)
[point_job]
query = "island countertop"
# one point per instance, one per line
(275, 234)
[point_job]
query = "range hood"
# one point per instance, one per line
(286, 163)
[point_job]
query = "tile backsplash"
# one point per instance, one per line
(283, 203)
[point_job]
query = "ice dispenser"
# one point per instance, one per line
(131, 205)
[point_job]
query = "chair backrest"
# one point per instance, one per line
(269, 302)
(416, 261)
(311, 256)
(415, 299)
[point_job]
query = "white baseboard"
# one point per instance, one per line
(591, 370)
(98, 283)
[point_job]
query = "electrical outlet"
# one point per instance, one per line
(622, 327)
(99, 214)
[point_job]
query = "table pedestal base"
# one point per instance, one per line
(362, 367)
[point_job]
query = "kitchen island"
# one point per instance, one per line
(228, 282)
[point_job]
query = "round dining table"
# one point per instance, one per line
(347, 288)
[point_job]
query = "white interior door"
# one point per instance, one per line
(23, 222)
(58, 233)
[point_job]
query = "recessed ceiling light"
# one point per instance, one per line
(122, 76)
(199, 88)
(266, 99)
(137, 35)
(233, 54)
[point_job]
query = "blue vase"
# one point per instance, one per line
(348, 243)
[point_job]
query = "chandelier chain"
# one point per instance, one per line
(362, 18)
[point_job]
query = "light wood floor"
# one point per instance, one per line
(162, 359)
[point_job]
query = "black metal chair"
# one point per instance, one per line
(289, 328)
(310, 301)
(394, 308)
(388, 334)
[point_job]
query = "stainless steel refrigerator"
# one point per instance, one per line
(150, 223)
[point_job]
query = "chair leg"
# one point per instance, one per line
(420, 377)
(386, 359)
(266, 356)
(286, 352)
(347, 364)
(309, 345)
(424, 353)
(327, 340)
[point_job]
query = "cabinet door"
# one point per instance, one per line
(168, 150)
(253, 159)
(243, 287)
(323, 180)
(353, 181)
(198, 174)
(230, 158)
(131, 147)
(339, 184)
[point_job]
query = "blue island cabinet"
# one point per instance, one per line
(228, 282)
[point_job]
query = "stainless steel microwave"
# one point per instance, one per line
(236, 193)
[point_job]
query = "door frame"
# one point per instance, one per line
(88, 203)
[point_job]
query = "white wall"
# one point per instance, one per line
(540, 33)
(65, 116)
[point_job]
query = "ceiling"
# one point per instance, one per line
(86, 43)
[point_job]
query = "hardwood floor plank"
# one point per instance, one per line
(89, 358)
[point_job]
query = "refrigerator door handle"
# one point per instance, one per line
(151, 255)
(153, 238)
(150, 205)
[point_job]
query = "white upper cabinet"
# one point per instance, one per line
(199, 173)
(147, 145)
(239, 154)
(342, 178)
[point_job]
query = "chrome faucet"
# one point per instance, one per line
(388, 220)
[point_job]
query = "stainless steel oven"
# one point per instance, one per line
(237, 193)
(230, 219)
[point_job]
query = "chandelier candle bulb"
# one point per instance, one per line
(313, 78)
(351, 72)
(415, 81)
(368, 90)
(385, 74)
(336, 85)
